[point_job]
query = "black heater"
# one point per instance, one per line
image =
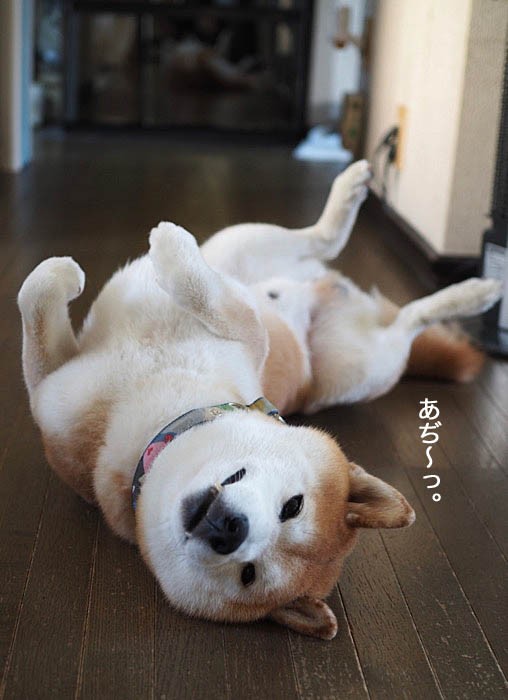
(493, 333)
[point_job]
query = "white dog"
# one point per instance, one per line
(150, 413)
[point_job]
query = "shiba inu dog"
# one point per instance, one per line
(154, 412)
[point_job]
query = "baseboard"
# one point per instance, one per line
(432, 270)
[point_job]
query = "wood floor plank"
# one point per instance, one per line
(482, 414)
(118, 653)
(479, 473)
(454, 641)
(476, 560)
(382, 626)
(479, 567)
(440, 610)
(13, 405)
(189, 656)
(378, 268)
(329, 669)
(23, 485)
(438, 606)
(45, 656)
(23, 473)
(376, 608)
(258, 661)
(12, 389)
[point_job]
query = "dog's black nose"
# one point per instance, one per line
(205, 515)
(223, 529)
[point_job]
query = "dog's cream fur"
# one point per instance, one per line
(255, 312)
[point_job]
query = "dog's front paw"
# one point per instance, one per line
(175, 256)
(169, 241)
(171, 246)
(52, 278)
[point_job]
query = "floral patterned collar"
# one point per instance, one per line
(183, 423)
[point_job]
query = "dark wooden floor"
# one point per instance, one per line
(422, 613)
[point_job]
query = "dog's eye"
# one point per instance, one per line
(273, 295)
(291, 508)
(248, 574)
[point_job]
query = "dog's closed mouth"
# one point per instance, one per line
(196, 507)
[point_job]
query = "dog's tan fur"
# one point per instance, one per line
(74, 455)
(286, 379)
(444, 353)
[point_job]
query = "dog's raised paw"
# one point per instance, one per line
(351, 185)
(480, 293)
(169, 243)
(58, 276)
(360, 172)
(348, 192)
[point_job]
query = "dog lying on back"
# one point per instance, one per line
(154, 411)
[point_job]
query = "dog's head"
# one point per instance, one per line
(245, 517)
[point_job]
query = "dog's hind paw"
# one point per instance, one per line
(477, 295)
(348, 192)
(350, 187)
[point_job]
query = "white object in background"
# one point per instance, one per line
(322, 145)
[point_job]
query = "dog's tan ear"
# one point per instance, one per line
(373, 503)
(309, 616)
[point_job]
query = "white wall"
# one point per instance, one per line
(422, 59)
(333, 72)
(471, 195)
(16, 17)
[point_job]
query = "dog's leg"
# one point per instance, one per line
(467, 298)
(348, 192)
(48, 338)
(353, 362)
(224, 306)
(441, 351)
